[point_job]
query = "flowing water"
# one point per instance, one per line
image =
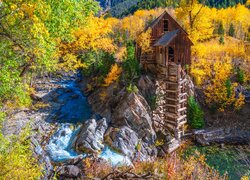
(73, 111)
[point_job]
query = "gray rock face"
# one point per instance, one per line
(43, 158)
(68, 171)
(133, 111)
(100, 106)
(126, 141)
(147, 86)
(90, 137)
(131, 122)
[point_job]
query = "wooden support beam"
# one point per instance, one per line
(171, 115)
(183, 100)
(182, 109)
(182, 95)
(171, 99)
(182, 81)
(181, 118)
(171, 105)
(181, 124)
(172, 91)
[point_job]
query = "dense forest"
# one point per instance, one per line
(123, 8)
(46, 40)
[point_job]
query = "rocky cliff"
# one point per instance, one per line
(130, 130)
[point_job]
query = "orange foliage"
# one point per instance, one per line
(121, 54)
(113, 75)
(170, 167)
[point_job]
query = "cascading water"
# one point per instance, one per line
(60, 144)
(75, 109)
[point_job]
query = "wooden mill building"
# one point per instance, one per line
(169, 55)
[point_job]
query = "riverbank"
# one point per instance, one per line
(57, 117)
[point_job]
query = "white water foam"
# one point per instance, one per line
(60, 144)
(60, 148)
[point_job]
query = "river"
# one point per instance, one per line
(74, 110)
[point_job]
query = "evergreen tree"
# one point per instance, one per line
(240, 75)
(231, 30)
(222, 41)
(221, 30)
(248, 35)
(195, 114)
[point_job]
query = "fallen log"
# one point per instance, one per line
(222, 135)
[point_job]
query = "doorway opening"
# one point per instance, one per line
(170, 54)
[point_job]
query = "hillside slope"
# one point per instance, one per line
(120, 8)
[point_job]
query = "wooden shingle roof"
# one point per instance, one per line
(167, 38)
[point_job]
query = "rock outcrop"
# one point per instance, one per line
(68, 171)
(90, 137)
(147, 86)
(131, 120)
(127, 142)
(133, 111)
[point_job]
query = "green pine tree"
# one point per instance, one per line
(221, 40)
(195, 114)
(240, 75)
(231, 30)
(221, 30)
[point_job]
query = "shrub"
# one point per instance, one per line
(2, 116)
(153, 102)
(195, 114)
(222, 40)
(131, 66)
(231, 30)
(113, 75)
(16, 161)
(240, 76)
(98, 63)
(221, 30)
(132, 88)
(228, 85)
(169, 167)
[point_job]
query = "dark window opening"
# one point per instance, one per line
(170, 54)
(161, 50)
(165, 25)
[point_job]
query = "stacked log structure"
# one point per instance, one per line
(171, 111)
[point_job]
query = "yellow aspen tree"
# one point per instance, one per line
(144, 40)
(113, 75)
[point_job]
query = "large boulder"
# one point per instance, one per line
(90, 137)
(68, 171)
(133, 111)
(126, 141)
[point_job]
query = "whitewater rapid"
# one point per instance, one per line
(60, 147)
(71, 114)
